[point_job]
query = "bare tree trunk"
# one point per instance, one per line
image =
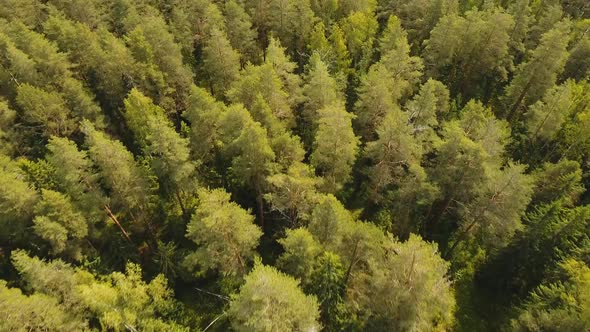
(116, 221)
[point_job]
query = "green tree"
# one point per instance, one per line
(335, 147)
(559, 181)
(327, 283)
(395, 55)
(320, 89)
(377, 96)
(59, 223)
(577, 66)
(412, 291)
(53, 72)
(47, 110)
(552, 233)
(116, 302)
(480, 125)
(546, 15)
(161, 144)
(318, 43)
(574, 143)
(293, 193)
(36, 312)
(535, 76)
(265, 81)
(419, 17)
(327, 219)
(168, 59)
(17, 196)
(28, 11)
(76, 177)
(8, 134)
(521, 12)
(301, 251)
(128, 183)
(341, 59)
(495, 213)
(463, 51)
(290, 21)
(225, 233)
(327, 10)
(272, 301)
(395, 153)
(241, 35)
(98, 54)
(360, 28)
(545, 117)
(561, 305)
(221, 62)
(426, 110)
(277, 58)
(460, 169)
(252, 158)
(203, 114)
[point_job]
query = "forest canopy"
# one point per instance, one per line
(295, 165)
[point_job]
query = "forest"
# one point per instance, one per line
(295, 165)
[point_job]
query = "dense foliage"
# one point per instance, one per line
(294, 165)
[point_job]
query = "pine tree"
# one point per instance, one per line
(494, 214)
(546, 116)
(395, 55)
(412, 291)
(225, 233)
(299, 257)
(47, 110)
(272, 301)
(558, 306)
(419, 17)
(293, 193)
(129, 184)
(378, 96)
(59, 223)
(8, 134)
(221, 62)
(320, 90)
(17, 196)
(394, 154)
(359, 29)
(326, 282)
(426, 110)
(335, 147)
(561, 181)
(36, 312)
(75, 176)
(203, 114)
(535, 76)
(241, 35)
(463, 51)
(480, 125)
(252, 157)
(160, 143)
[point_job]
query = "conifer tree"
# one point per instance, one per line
(546, 116)
(128, 183)
(335, 147)
(272, 301)
(160, 143)
(241, 35)
(60, 224)
(535, 76)
(225, 233)
(221, 62)
(463, 51)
